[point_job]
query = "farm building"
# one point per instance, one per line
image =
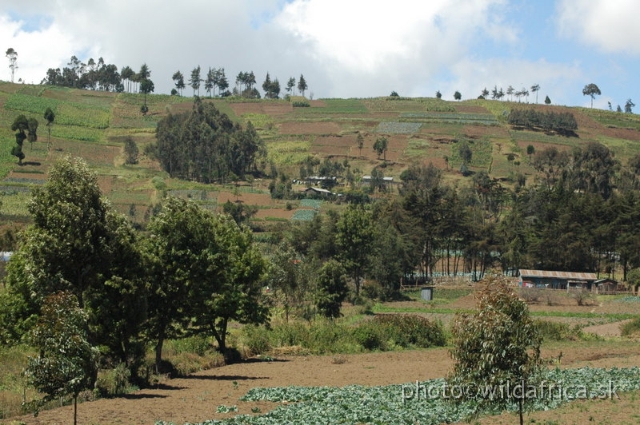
(318, 191)
(605, 286)
(556, 280)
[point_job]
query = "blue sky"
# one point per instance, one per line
(346, 48)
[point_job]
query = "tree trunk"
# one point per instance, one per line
(75, 409)
(159, 353)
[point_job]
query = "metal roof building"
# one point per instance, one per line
(556, 280)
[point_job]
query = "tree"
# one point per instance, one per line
(591, 90)
(13, 58)
(360, 142)
(332, 289)
(465, 153)
(291, 84)
(353, 238)
(510, 91)
(380, 146)
(628, 106)
(284, 278)
(67, 363)
(535, 88)
(530, 151)
(484, 93)
(130, 151)
(496, 346)
(128, 74)
(21, 125)
(50, 117)
(78, 244)
(231, 288)
(457, 95)
(178, 78)
(195, 80)
(32, 135)
(438, 94)
(547, 100)
(302, 84)
(146, 87)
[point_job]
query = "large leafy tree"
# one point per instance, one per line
(66, 363)
(591, 90)
(498, 345)
(195, 80)
(78, 244)
(381, 146)
(353, 238)
(232, 287)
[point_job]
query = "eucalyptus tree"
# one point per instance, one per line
(353, 238)
(195, 80)
(535, 88)
(628, 106)
(591, 90)
(178, 79)
(381, 146)
(291, 84)
(22, 127)
(12, 55)
(302, 84)
(497, 346)
(457, 95)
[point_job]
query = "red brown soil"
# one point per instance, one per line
(275, 213)
(246, 198)
(309, 128)
(195, 399)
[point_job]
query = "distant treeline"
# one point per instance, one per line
(206, 146)
(561, 122)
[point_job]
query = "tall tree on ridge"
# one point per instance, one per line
(178, 78)
(535, 88)
(302, 84)
(195, 80)
(591, 90)
(13, 58)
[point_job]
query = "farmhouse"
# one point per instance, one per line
(556, 280)
(605, 286)
(318, 191)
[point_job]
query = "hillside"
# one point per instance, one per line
(94, 124)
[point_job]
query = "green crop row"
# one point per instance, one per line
(395, 127)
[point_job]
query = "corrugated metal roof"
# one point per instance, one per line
(560, 275)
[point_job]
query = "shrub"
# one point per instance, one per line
(256, 339)
(631, 328)
(412, 331)
(531, 295)
(368, 335)
(584, 297)
(556, 331)
(113, 382)
(301, 104)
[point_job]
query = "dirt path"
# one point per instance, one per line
(196, 398)
(606, 330)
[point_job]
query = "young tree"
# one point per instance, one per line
(530, 151)
(66, 363)
(457, 95)
(302, 84)
(360, 142)
(21, 125)
(380, 146)
(484, 93)
(50, 117)
(146, 87)
(510, 91)
(498, 345)
(284, 278)
(332, 289)
(591, 90)
(130, 151)
(438, 94)
(13, 58)
(547, 101)
(32, 135)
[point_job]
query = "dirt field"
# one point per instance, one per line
(196, 398)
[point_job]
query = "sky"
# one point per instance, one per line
(345, 48)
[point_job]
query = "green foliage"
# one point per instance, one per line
(557, 331)
(563, 123)
(394, 127)
(204, 145)
(303, 215)
(67, 363)
(631, 328)
(332, 289)
(496, 345)
(463, 118)
(300, 104)
(354, 235)
(130, 151)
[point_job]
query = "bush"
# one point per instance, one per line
(556, 331)
(631, 328)
(113, 382)
(531, 295)
(195, 344)
(256, 339)
(584, 297)
(368, 335)
(301, 104)
(412, 331)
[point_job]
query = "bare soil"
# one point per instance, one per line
(196, 398)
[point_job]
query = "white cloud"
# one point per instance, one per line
(611, 26)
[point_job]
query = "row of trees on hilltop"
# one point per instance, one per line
(560, 122)
(216, 80)
(206, 146)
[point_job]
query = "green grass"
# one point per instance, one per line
(288, 152)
